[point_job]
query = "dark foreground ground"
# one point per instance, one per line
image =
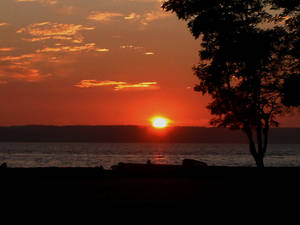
(157, 188)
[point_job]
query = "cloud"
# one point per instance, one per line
(46, 2)
(78, 48)
(53, 30)
(143, 18)
(149, 53)
(17, 58)
(143, 85)
(3, 24)
(137, 48)
(6, 49)
(27, 74)
(104, 16)
(60, 32)
(102, 50)
(132, 16)
(36, 39)
(154, 15)
(131, 47)
(94, 83)
(21, 72)
(118, 85)
(22, 67)
(89, 46)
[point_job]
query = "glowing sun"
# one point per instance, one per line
(159, 122)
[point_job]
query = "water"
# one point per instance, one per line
(108, 154)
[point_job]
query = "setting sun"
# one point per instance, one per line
(159, 122)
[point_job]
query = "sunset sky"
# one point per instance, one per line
(97, 62)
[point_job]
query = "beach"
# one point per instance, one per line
(175, 188)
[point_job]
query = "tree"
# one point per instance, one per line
(291, 16)
(245, 62)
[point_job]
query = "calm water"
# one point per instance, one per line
(106, 154)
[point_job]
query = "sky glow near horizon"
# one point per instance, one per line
(97, 62)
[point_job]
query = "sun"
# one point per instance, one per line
(159, 122)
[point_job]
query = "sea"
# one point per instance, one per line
(109, 154)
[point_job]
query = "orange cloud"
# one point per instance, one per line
(49, 30)
(94, 83)
(21, 72)
(17, 58)
(23, 67)
(102, 50)
(118, 85)
(3, 24)
(27, 74)
(130, 47)
(36, 39)
(143, 19)
(149, 53)
(60, 48)
(132, 16)
(6, 49)
(143, 85)
(154, 15)
(104, 16)
(47, 2)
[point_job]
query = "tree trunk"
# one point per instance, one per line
(259, 158)
(260, 148)
(259, 161)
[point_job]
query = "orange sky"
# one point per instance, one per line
(97, 62)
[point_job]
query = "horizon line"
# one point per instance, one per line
(118, 125)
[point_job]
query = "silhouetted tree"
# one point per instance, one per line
(245, 62)
(291, 17)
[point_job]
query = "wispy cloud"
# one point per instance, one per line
(60, 32)
(143, 19)
(22, 67)
(47, 2)
(139, 49)
(6, 49)
(53, 30)
(143, 85)
(36, 39)
(131, 47)
(104, 16)
(149, 53)
(102, 50)
(154, 15)
(17, 58)
(118, 85)
(68, 48)
(78, 48)
(95, 83)
(3, 24)
(132, 16)
(21, 72)
(27, 74)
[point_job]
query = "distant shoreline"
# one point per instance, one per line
(138, 134)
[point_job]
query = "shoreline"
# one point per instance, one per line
(165, 188)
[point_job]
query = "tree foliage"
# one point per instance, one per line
(248, 60)
(291, 17)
